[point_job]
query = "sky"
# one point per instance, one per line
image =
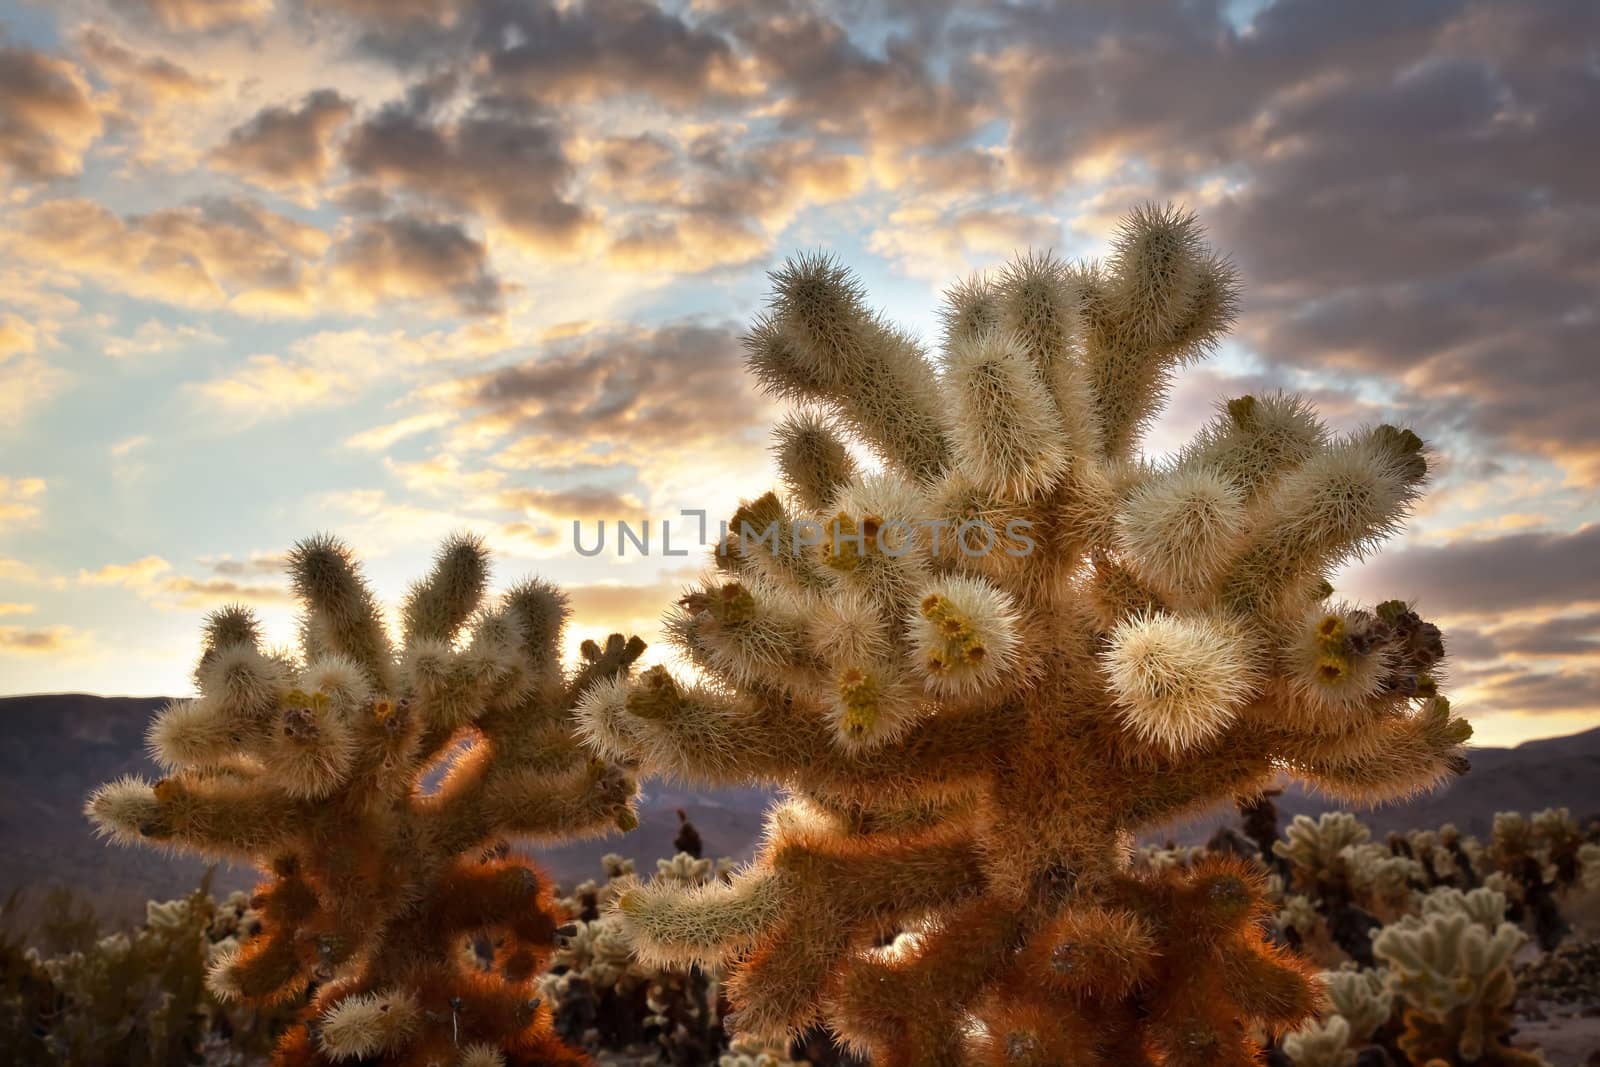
(395, 268)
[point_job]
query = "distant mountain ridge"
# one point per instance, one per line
(58, 747)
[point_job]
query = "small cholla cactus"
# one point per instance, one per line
(746, 1052)
(987, 659)
(312, 766)
(607, 1000)
(1321, 1043)
(1359, 1003)
(1538, 860)
(1451, 968)
(1356, 884)
(1589, 867)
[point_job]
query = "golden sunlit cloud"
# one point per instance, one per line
(288, 148)
(380, 438)
(48, 117)
(152, 579)
(62, 641)
(19, 499)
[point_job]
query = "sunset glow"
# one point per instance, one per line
(389, 270)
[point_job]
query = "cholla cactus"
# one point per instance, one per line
(1589, 867)
(1163, 857)
(1360, 1003)
(607, 1000)
(1321, 1043)
(1355, 883)
(1539, 860)
(312, 767)
(1439, 853)
(1451, 966)
(1039, 644)
(744, 1052)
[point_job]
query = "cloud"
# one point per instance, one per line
(1563, 636)
(20, 573)
(328, 368)
(1400, 183)
(510, 166)
(183, 592)
(152, 579)
(821, 80)
(198, 15)
(17, 336)
(139, 574)
(154, 338)
(258, 565)
(218, 251)
(129, 445)
(287, 148)
(615, 395)
(1537, 692)
(45, 641)
(1492, 576)
(718, 203)
(19, 499)
(602, 48)
(232, 252)
(48, 118)
(411, 257)
(13, 608)
(379, 438)
(26, 384)
(603, 606)
(579, 502)
(939, 246)
(148, 79)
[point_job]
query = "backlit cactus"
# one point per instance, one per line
(986, 658)
(606, 1000)
(313, 767)
(1451, 966)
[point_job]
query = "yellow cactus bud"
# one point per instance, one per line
(1332, 668)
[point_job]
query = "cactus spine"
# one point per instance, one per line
(312, 765)
(984, 661)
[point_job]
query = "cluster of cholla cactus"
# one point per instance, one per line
(1344, 885)
(990, 643)
(137, 997)
(605, 999)
(315, 766)
(1448, 969)
(1534, 861)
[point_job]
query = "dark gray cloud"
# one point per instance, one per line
(1407, 183)
(286, 148)
(1537, 691)
(508, 165)
(415, 257)
(824, 80)
(623, 392)
(600, 48)
(47, 116)
(1565, 635)
(1502, 574)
